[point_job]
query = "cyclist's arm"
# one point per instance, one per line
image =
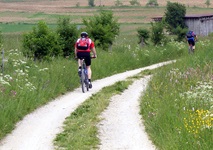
(75, 51)
(92, 48)
(94, 52)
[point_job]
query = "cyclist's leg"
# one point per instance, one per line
(89, 70)
(193, 45)
(80, 56)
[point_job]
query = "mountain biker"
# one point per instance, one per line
(191, 37)
(85, 53)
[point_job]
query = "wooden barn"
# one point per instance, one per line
(200, 24)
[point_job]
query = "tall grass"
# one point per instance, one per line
(178, 105)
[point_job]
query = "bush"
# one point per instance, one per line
(180, 32)
(1, 39)
(152, 3)
(68, 34)
(157, 35)
(91, 3)
(41, 43)
(208, 3)
(135, 2)
(102, 28)
(143, 35)
(118, 3)
(174, 16)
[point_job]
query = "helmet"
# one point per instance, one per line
(84, 34)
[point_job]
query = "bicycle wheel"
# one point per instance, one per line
(86, 81)
(191, 49)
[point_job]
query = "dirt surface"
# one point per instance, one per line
(38, 129)
(121, 127)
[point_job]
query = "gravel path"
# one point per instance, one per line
(38, 129)
(122, 128)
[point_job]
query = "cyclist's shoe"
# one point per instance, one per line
(79, 73)
(90, 85)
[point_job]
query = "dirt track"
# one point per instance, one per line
(38, 129)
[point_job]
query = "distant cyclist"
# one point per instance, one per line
(191, 37)
(83, 46)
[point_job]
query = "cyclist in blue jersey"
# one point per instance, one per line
(191, 37)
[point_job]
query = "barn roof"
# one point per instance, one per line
(194, 16)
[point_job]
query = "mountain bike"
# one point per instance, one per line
(84, 77)
(191, 49)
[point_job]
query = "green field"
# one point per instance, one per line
(26, 85)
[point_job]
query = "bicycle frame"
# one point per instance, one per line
(84, 77)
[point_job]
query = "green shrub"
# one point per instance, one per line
(143, 34)
(208, 3)
(174, 15)
(41, 43)
(91, 3)
(134, 2)
(180, 32)
(68, 34)
(157, 35)
(102, 28)
(118, 3)
(1, 39)
(152, 3)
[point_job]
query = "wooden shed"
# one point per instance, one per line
(200, 24)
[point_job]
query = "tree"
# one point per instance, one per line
(41, 43)
(208, 3)
(143, 35)
(68, 34)
(103, 28)
(91, 3)
(118, 3)
(152, 3)
(174, 16)
(157, 34)
(135, 2)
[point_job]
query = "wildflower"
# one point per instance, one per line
(2, 81)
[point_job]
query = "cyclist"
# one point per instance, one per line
(83, 51)
(191, 37)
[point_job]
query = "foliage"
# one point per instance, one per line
(143, 34)
(118, 3)
(157, 33)
(174, 15)
(134, 2)
(152, 3)
(180, 32)
(41, 43)
(91, 3)
(208, 3)
(1, 39)
(103, 28)
(179, 100)
(68, 34)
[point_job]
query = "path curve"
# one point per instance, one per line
(38, 129)
(121, 127)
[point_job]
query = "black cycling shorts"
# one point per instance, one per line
(86, 56)
(191, 42)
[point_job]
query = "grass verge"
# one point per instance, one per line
(80, 131)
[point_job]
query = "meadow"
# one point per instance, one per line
(177, 107)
